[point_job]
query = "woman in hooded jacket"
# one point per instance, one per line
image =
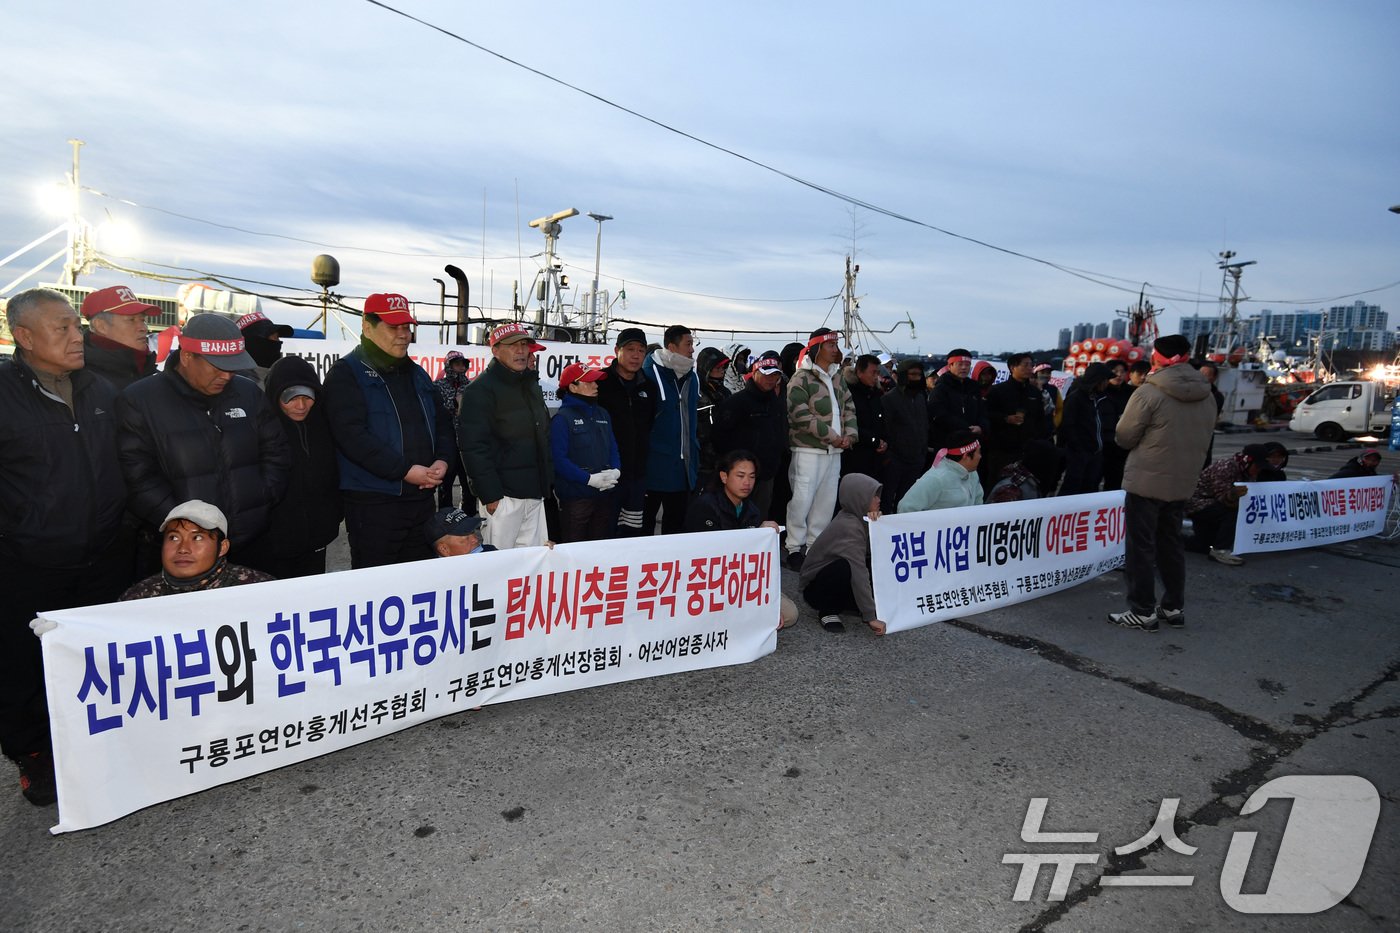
(308, 517)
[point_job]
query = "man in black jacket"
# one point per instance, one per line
(1016, 412)
(197, 431)
(630, 405)
(503, 433)
(956, 402)
(393, 438)
(62, 542)
(756, 420)
(867, 454)
(115, 343)
(906, 425)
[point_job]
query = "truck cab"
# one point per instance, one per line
(1338, 410)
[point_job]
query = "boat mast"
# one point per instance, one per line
(1227, 333)
(850, 305)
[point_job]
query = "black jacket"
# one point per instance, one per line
(954, 404)
(503, 434)
(1081, 425)
(177, 444)
(862, 456)
(1007, 398)
(712, 395)
(119, 364)
(61, 490)
(308, 517)
(755, 421)
(712, 511)
(907, 424)
(632, 409)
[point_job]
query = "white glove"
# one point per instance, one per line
(613, 476)
(599, 481)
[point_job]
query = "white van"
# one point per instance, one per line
(1340, 409)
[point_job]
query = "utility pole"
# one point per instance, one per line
(850, 305)
(76, 262)
(597, 264)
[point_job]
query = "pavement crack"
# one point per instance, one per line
(1255, 730)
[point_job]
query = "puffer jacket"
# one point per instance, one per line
(308, 517)
(809, 400)
(118, 363)
(673, 457)
(503, 434)
(954, 404)
(946, 485)
(176, 444)
(1166, 428)
(848, 538)
(61, 490)
(581, 443)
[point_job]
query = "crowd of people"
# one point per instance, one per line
(233, 464)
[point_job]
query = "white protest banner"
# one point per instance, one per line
(948, 563)
(153, 699)
(552, 359)
(1282, 516)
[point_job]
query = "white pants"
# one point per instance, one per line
(516, 523)
(814, 477)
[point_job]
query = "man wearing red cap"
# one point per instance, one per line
(195, 431)
(503, 433)
(115, 343)
(393, 438)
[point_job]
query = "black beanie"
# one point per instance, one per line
(1172, 345)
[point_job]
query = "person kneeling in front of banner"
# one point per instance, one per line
(194, 555)
(836, 572)
(1215, 505)
(725, 506)
(952, 481)
(1365, 463)
(451, 532)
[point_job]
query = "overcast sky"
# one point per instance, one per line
(1131, 141)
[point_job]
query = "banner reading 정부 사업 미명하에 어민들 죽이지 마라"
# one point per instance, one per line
(154, 699)
(1283, 516)
(948, 563)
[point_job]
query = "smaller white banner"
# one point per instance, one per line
(948, 563)
(1283, 516)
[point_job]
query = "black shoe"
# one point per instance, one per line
(833, 624)
(1176, 618)
(794, 560)
(36, 779)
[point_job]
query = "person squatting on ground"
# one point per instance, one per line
(1031, 477)
(393, 438)
(726, 506)
(821, 424)
(307, 519)
(1166, 429)
(503, 434)
(631, 407)
(1365, 463)
(952, 482)
(63, 542)
(1215, 504)
(195, 431)
(586, 460)
(673, 458)
(836, 574)
(452, 532)
(194, 555)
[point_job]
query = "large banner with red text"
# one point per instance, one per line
(154, 699)
(1282, 516)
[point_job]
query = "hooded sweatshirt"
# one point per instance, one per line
(733, 375)
(1166, 429)
(847, 538)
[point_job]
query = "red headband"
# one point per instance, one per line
(962, 451)
(958, 359)
(1162, 362)
(817, 341)
(212, 347)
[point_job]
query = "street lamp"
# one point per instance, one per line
(597, 262)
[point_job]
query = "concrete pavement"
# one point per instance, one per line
(842, 783)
